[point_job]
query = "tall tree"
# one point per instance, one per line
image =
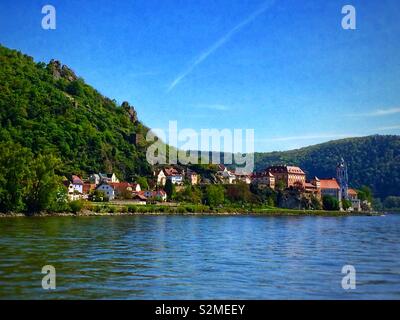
(43, 183)
(14, 172)
(214, 195)
(170, 189)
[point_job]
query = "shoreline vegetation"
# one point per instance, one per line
(95, 210)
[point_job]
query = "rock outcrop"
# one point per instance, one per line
(58, 70)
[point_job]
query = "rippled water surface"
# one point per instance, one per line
(186, 257)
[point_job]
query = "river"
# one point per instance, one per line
(204, 257)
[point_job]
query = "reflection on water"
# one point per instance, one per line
(177, 257)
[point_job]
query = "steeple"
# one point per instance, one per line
(343, 179)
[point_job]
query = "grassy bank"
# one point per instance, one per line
(109, 209)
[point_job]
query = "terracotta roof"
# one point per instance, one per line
(120, 185)
(309, 185)
(171, 172)
(76, 180)
(352, 192)
(140, 196)
(329, 184)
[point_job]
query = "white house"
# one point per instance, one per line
(174, 175)
(161, 178)
(355, 202)
(108, 190)
(72, 193)
(77, 183)
(225, 175)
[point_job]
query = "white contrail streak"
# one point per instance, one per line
(204, 55)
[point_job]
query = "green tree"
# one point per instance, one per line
(238, 192)
(365, 193)
(60, 201)
(75, 88)
(330, 203)
(142, 181)
(264, 194)
(170, 189)
(42, 184)
(76, 206)
(346, 204)
(316, 203)
(214, 195)
(190, 194)
(280, 185)
(391, 202)
(14, 173)
(97, 196)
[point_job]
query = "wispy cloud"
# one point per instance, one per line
(376, 113)
(205, 54)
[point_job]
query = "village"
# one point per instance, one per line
(291, 181)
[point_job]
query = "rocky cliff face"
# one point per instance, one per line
(58, 70)
(294, 199)
(130, 110)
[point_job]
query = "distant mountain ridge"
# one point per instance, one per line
(372, 160)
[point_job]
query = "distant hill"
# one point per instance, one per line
(373, 161)
(47, 108)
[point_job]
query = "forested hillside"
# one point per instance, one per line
(47, 109)
(373, 161)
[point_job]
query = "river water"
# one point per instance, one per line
(204, 257)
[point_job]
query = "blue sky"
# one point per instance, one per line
(284, 68)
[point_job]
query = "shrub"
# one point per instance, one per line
(330, 203)
(76, 206)
(132, 208)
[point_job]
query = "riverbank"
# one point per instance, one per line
(265, 212)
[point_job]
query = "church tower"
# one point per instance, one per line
(343, 179)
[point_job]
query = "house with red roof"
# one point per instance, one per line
(159, 195)
(174, 175)
(353, 197)
(77, 183)
(330, 187)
